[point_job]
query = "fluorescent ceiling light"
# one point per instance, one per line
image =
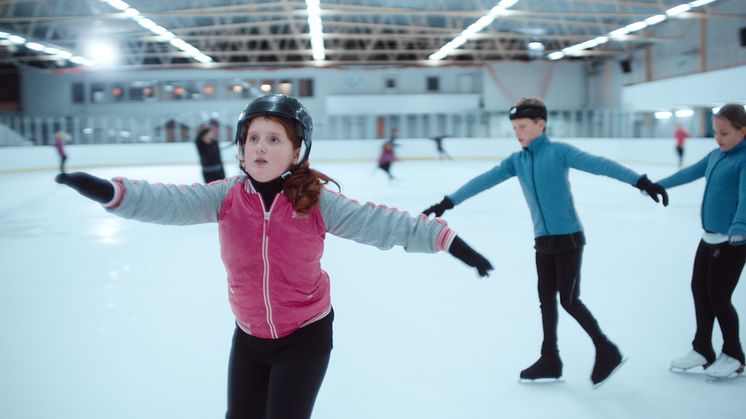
(153, 27)
(634, 27)
(684, 113)
(698, 3)
(35, 46)
(315, 29)
(654, 20)
(118, 4)
(663, 115)
(471, 30)
(620, 33)
(677, 10)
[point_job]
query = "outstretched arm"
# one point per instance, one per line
(598, 165)
(384, 228)
(154, 203)
(498, 174)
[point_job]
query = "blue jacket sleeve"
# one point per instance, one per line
(739, 220)
(503, 171)
(580, 160)
(686, 175)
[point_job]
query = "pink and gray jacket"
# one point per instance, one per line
(272, 258)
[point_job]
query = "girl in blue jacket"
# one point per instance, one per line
(722, 251)
(542, 169)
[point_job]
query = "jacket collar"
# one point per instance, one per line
(740, 146)
(537, 143)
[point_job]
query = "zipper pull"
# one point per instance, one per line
(266, 216)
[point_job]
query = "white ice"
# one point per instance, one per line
(107, 318)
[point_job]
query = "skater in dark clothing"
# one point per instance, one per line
(387, 158)
(209, 154)
(442, 153)
(393, 137)
(59, 143)
(721, 253)
(272, 222)
(542, 170)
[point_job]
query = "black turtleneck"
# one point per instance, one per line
(268, 190)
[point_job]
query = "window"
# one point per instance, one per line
(286, 87)
(267, 86)
(433, 84)
(117, 92)
(98, 93)
(305, 87)
(78, 92)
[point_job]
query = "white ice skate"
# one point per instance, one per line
(691, 360)
(725, 367)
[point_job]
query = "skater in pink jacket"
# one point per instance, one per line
(272, 222)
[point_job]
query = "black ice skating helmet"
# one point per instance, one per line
(281, 106)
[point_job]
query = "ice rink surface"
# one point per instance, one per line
(102, 317)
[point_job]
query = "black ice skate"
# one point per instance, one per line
(547, 369)
(608, 360)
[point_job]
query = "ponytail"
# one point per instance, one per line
(303, 188)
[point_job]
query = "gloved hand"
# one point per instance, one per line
(652, 189)
(469, 256)
(737, 240)
(439, 208)
(92, 187)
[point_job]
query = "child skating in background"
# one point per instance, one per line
(272, 222)
(681, 136)
(387, 158)
(442, 153)
(542, 169)
(59, 144)
(721, 252)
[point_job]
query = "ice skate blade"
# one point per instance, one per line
(539, 381)
(698, 370)
(734, 376)
(600, 383)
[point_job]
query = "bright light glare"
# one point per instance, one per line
(102, 53)
(663, 115)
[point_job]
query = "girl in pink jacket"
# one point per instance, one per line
(272, 223)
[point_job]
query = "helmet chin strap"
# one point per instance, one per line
(297, 166)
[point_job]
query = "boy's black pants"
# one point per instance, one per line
(558, 262)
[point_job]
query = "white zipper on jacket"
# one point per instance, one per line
(265, 261)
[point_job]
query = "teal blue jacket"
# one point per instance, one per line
(724, 202)
(542, 169)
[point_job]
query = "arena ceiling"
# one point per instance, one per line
(233, 33)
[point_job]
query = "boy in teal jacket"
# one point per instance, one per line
(542, 169)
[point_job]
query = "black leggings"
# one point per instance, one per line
(717, 269)
(278, 378)
(560, 273)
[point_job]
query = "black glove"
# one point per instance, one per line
(97, 189)
(652, 189)
(469, 256)
(439, 208)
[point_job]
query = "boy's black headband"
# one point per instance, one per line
(528, 111)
